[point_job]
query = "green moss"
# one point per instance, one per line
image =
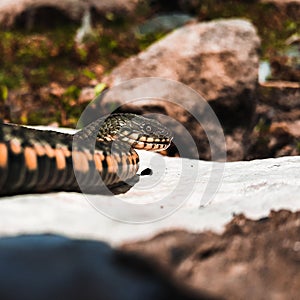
(99, 88)
(148, 39)
(3, 92)
(298, 146)
(40, 118)
(262, 127)
(72, 92)
(89, 74)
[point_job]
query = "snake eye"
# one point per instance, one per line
(147, 128)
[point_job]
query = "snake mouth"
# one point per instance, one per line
(147, 143)
(144, 141)
(152, 144)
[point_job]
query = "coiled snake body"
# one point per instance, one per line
(100, 154)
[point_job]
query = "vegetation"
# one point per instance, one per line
(35, 59)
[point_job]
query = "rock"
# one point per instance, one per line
(55, 267)
(180, 194)
(217, 59)
(250, 260)
(36, 11)
(274, 140)
(281, 95)
(235, 149)
(277, 126)
(286, 67)
(86, 95)
(164, 23)
(192, 123)
(290, 8)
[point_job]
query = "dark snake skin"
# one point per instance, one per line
(99, 155)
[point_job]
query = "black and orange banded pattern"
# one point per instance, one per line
(98, 156)
(43, 161)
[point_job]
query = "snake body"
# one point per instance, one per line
(100, 154)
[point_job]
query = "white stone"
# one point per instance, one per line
(252, 188)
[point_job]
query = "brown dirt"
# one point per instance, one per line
(250, 260)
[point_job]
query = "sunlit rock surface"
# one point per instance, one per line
(180, 194)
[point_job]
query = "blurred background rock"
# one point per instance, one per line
(56, 56)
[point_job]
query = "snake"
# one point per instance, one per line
(101, 154)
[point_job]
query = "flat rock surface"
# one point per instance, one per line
(181, 193)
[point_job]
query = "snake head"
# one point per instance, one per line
(138, 131)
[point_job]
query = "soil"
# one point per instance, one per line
(250, 260)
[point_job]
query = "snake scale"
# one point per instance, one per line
(100, 154)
